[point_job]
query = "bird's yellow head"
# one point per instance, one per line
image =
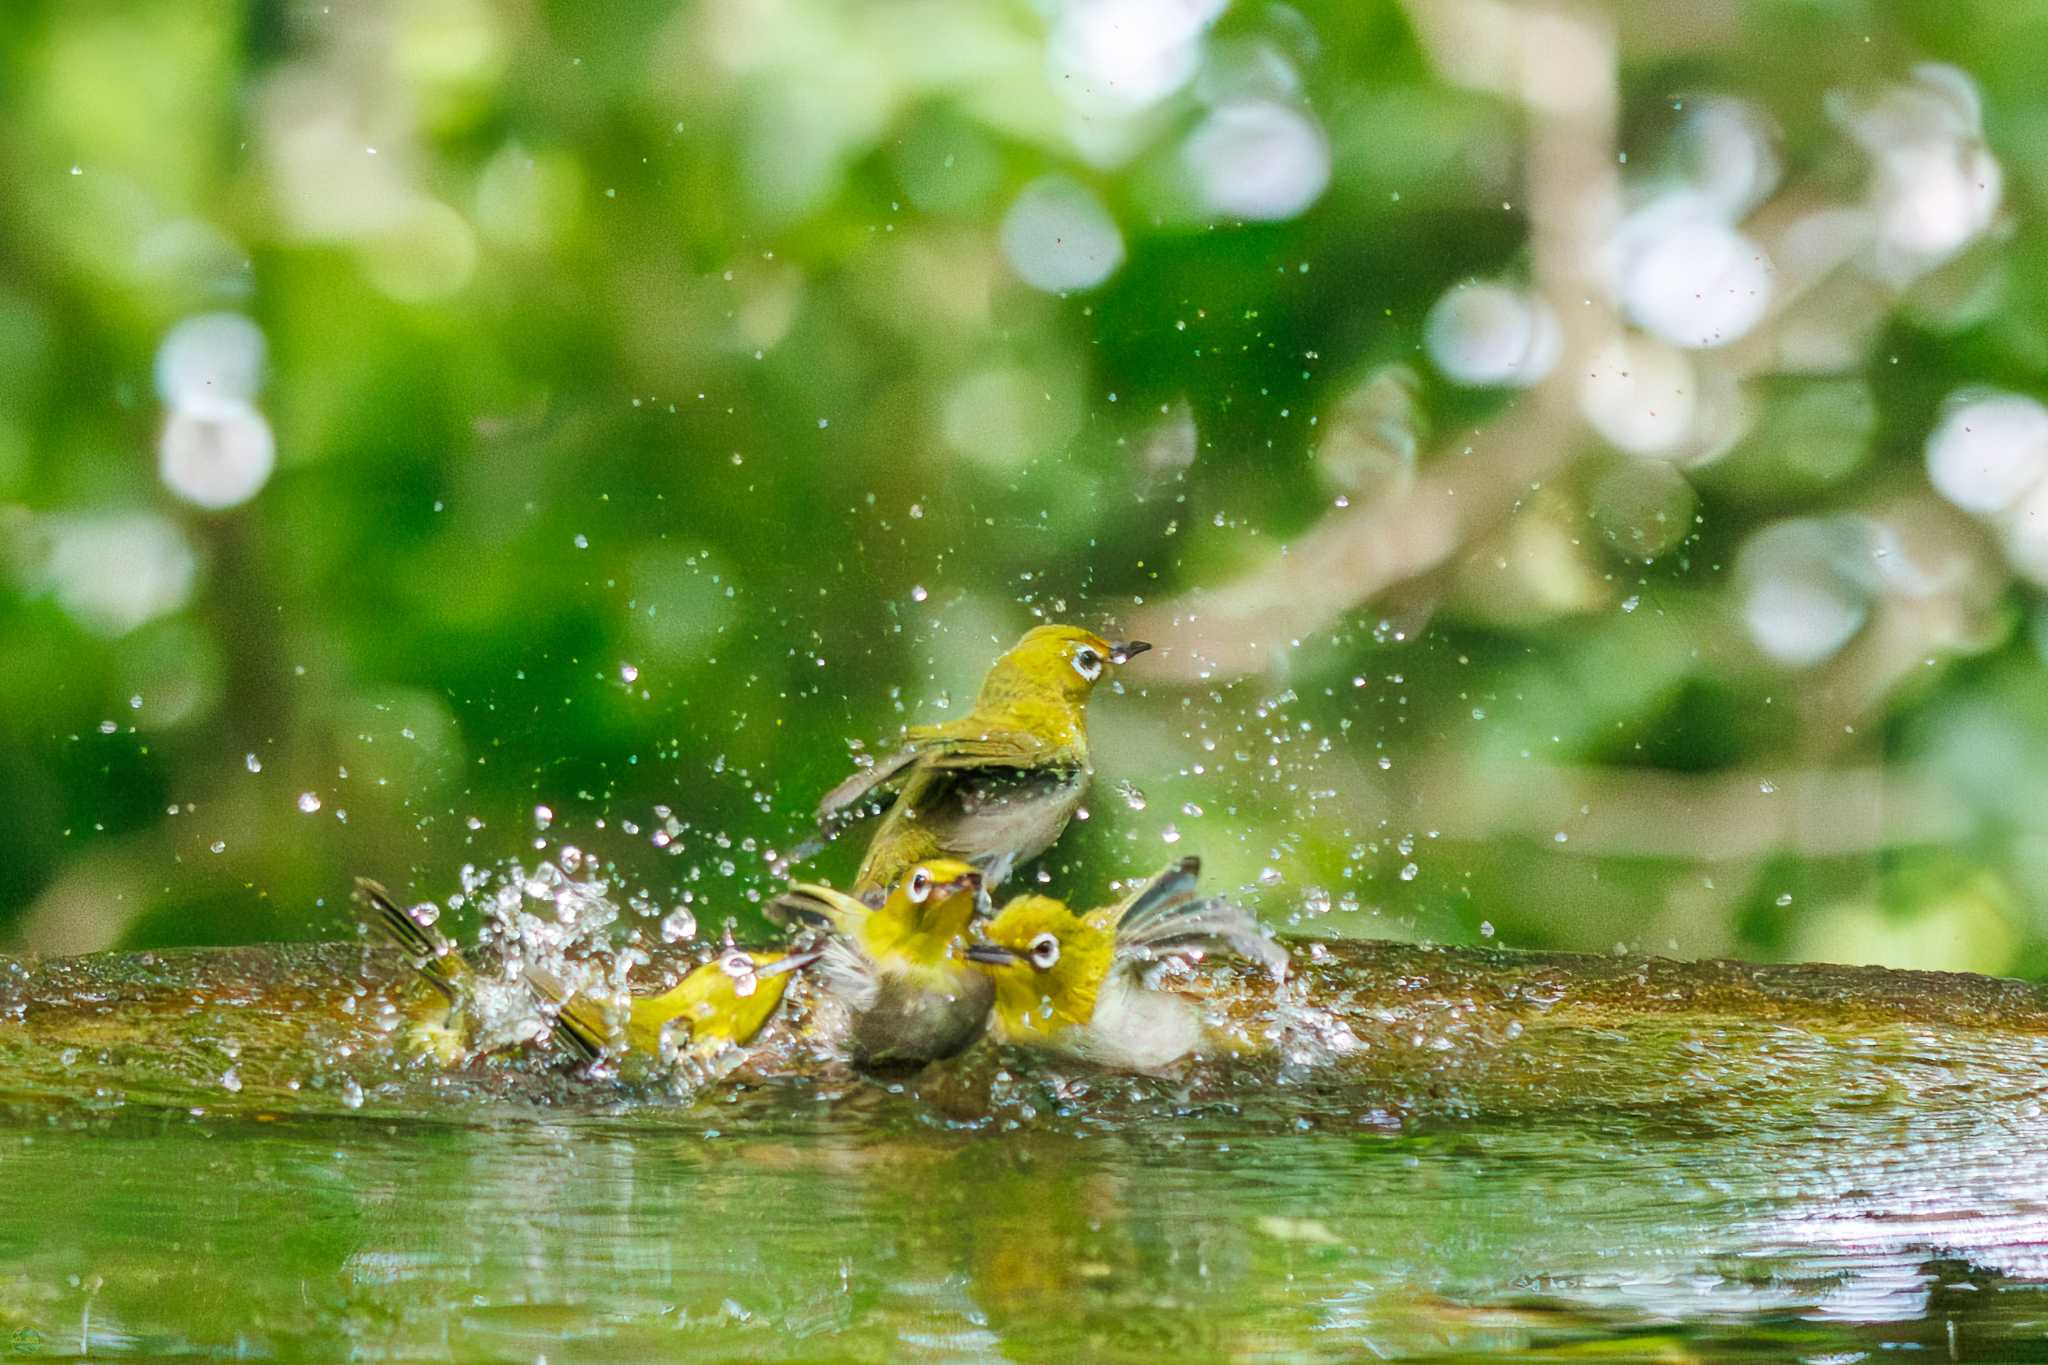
(1048, 963)
(1057, 665)
(926, 914)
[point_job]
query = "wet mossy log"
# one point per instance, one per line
(1372, 1027)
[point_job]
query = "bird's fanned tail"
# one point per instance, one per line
(579, 1023)
(424, 946)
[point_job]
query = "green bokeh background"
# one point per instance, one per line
(679, 341)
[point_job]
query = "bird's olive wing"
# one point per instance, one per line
(809, 906)
(951, 746)
(983, 748)
(843, 800)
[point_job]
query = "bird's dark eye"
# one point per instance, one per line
(920, 885)
(1044, 951)
(1088, 663)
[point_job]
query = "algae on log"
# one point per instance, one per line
(1380, 1031)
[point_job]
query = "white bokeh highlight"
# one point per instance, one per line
(1935, 186)
(210, 357)
(1115, 59)
(1807, 586)
(1726, 153)
(118, 572)
(1258, 159)
(1489, 334)
(216, 455)
(1058, 236)
(1688, 277)
(1642, 396)
(216, 449)
(1988, 450)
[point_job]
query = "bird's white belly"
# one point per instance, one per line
(1134, 1029)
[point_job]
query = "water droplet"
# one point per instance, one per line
(678, 925)
(1133, 797)
(1785, 899)
(1408, 872)
(230, 1080)
(351, 1093)
(542, 817)
(308, 802)
(1486, 928)
(918, 593)
(1766, 786)
(1631, 603)
(219, 846)
(1169, 835)
(1269, 876)
(629, 673)
(108, 727)
(252, 763)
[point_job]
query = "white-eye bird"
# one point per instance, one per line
(1077, 983)
(898, 964)
(997, 786)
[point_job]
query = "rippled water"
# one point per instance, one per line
(1569, 1181)
(803, 1231)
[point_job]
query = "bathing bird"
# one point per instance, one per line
(897, 963)
(1078, 984)
(996, 787)
(719, 1004)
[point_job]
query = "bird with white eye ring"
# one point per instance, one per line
(995, 787)
(1076, 983)
(898, 964)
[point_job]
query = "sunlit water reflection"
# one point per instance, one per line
(791, 1230)
(1556, 1157)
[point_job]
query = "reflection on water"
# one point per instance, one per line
(778, 1226)
(239, 1153)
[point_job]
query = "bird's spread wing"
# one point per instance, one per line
(848, 796)
(963, 743)
(841, 968)
(1165, 918)
(847, 975)
(807, 905)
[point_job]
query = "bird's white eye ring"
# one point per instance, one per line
(1044, 951)
(920, 885)
(1088, 663)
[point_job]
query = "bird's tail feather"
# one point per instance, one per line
(424, 946)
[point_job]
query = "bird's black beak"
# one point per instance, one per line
(992, 954)
(1127, 651)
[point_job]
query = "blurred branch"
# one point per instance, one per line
(1719, 817)
(1562, 65)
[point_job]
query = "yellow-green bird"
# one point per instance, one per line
(718, 1004)
(1075, 983)
(898, 964)
(996, 787)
